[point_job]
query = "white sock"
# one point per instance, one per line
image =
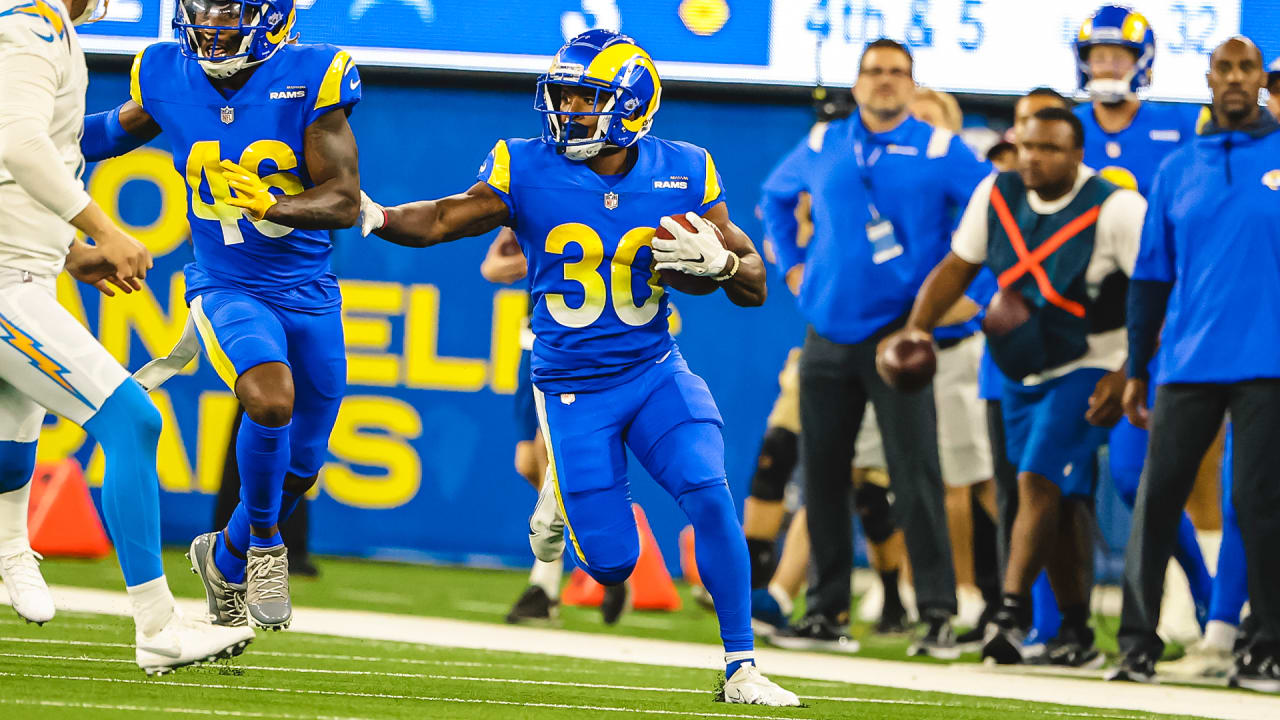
(780, 596)
(153, 605)
(13, 520)
(546, 575)
(1220, 635)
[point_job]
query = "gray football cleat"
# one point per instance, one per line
(267, 596)
(226, 599)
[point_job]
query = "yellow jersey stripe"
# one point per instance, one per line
(712, 190)
(500, 173)
(135, 85)
(221, 363)
(331, 87)
(540, 402)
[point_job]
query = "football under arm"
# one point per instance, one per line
(747, 287)
(431, 222)
(116, 132)
(334, 165)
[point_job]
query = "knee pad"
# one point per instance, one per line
(778, 455)
(17, 463)
(875, 510)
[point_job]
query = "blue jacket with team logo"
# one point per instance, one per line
(920, 179)
(1212, 231)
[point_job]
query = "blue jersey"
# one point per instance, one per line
(1129, 158)
(599, 313)
(261, 127)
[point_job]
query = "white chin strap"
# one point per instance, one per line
(587, 150)
(1109, 90)
(223, 69)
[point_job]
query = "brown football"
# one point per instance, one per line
(1008, 310)
(907, 364)
(689, 284)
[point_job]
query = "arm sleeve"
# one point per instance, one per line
(778, 200)
(1147, 302)
(340, 87)
(712, 187)
(496, 173)
(969, 242)
(1120, 227)
(29, 84)
(104, 137)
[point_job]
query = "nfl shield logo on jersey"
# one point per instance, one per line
(611, 201)
(228, 115)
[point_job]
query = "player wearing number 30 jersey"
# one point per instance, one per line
(584, 201)
(258, 128)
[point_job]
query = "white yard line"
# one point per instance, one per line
(205, 711)
(961, 679)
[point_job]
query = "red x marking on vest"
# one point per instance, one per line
(1030, 262)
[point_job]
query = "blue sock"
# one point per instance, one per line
(724, 566)
(1044, 608)
(1230, 585)
(1191, 559)
(128, 428)
(230, 560)
(17, 463)
(262, 454)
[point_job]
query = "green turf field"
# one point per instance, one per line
(81, 665)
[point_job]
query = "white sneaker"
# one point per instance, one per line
(188, 641)
(546, 526)
(1202, 662)
(969, 606)
(749, 687)
(28, 592)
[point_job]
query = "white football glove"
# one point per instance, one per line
(698, 252)
(372, 215)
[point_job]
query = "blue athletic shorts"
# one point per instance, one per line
(1046, 433)
(240, 332)
(525, 407)
(589, 433)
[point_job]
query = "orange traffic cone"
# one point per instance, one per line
(61, 518)
(688, 557)
(651, 585)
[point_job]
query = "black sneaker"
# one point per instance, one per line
(617, 600)
(815, 632)
(972, 640)
(534, 606)
(937, 640)
(893, 621)
(1257, 670)
(1073, 648)
(1136, 667)
(1003, 644)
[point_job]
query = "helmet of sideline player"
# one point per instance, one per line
(618, 74)
(227, 36)
(1127, 28)
(94, 10)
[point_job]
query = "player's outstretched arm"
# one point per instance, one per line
(116, 132)
(333, 162)
(431, 222)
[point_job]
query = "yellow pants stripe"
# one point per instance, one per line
(221, 363)
(540, 403)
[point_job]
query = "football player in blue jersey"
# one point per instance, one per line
(258, 129)
(584, 200)
(1126, 139)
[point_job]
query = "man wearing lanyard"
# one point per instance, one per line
(885, 190)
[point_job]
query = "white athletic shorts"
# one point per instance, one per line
(964, 447)
(48, 360)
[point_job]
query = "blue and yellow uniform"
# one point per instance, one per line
(259, 292)
(607, 373)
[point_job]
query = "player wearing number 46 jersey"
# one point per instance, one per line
(584, 201)
(258, 127)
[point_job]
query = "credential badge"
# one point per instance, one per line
(611, 201)
(228, 115)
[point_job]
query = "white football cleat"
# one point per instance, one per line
(749, 687)
(28, 592)
(188, 641)
(1202, 662)
(546, 527)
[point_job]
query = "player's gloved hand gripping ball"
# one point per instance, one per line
(691, 245)
(251, 194)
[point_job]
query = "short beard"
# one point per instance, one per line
(888, 113)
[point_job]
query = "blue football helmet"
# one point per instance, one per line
(203, 27)
(624, 82)
(1116, 25)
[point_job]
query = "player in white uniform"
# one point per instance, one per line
(47, 359)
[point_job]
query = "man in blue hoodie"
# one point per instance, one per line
(885, 190)
(1209, 271)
